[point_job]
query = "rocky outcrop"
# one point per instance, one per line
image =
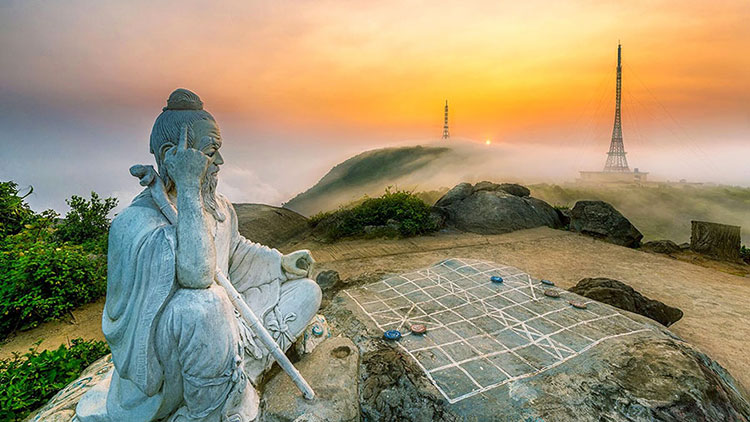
(490, 208)
(332, 372)
(267, 225)
(601, 220)
(622, 296)
(646, 375)
(661, 246)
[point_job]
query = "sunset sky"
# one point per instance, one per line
(300, 86)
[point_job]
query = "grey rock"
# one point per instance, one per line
(332, 371)
(564, 215)
(719, 241)
(327, 280)
(661, 246)
(269, 225)
(622, 296)
(648, 375)
(601, 220)
(489, 208)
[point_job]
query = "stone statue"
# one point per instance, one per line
(181, 350)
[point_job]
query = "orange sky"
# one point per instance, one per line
(300, 86)
(507, 68)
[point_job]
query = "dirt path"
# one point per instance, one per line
(715, 303)
(87, 323)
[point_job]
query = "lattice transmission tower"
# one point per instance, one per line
(446, 134)
(616, 160)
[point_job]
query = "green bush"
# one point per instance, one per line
(14, 212)
(87, 222)
(30, 380)
(745, 254)
(398, 213)
(47, 270)
(42, 281)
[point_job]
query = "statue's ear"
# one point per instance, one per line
(163, 150)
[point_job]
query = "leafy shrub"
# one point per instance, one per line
(745, 254)
(30, 380)
(87, 222)
(14, 212)
(42, 281)
(47, 270)
(398, 213)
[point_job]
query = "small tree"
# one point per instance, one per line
(14, 212)
(86, 221)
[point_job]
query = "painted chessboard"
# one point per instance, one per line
(483, 334)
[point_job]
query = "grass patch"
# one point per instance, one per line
(394, 214)
(31, 379)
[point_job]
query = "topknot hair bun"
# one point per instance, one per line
(183, 99)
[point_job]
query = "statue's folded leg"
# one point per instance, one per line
(298, 303)
(199, 345)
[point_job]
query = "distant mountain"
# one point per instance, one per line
(369, 173)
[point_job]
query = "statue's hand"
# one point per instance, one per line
(186, 166)
(297, 264)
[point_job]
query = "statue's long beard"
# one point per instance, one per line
(208, 193)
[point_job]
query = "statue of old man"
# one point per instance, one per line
(180, 349)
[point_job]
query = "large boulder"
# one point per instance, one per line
(490, 208)
(550, 361)
(601, 220)
(622, 296)
(270, 226)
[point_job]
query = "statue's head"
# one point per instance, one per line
(184, 107)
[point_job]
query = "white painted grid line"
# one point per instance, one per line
(457, 295)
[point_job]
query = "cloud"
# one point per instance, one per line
(243, 185)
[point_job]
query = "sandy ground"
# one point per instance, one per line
(86, 323)
(715, 304)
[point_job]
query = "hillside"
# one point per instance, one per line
(368, 174)
(659, 210)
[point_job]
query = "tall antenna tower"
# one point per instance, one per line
(616, 161)
(446, 134)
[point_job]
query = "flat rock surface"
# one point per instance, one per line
(332, 372)
(505, 350)
(714, 303)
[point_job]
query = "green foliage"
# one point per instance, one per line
(87, 222)
(47, 270)
(30, 380)
(42, 281)
(398, 213)
(745, 254)
(14, 212)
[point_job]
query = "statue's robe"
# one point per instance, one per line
(146, 309)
